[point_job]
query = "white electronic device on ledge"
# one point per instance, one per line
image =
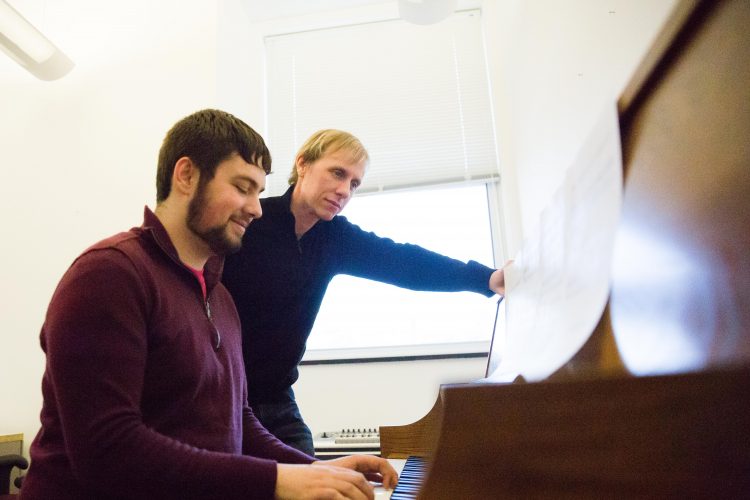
(347, 442)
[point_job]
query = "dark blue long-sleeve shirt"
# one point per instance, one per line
(278, 284)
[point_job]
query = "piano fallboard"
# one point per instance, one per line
(656, 436)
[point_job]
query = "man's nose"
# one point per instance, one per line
(253, 207)
(343, 188)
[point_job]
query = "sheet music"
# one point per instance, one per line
(559, 283)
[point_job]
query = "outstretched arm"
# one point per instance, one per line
(367, 255)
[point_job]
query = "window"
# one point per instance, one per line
(362, 318)
(418, 98)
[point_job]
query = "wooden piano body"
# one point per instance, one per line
(656, 401)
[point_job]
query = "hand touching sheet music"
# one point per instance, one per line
(497, 280)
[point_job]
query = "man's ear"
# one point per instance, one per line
(185, 176)
(300, 165)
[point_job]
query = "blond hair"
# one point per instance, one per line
(327, 141)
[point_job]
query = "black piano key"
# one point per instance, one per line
(410, 479)
(408, 487)
(414, 484)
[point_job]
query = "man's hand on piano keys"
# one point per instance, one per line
(375, 469)
(342, 478)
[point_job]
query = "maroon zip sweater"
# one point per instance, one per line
(138, 402)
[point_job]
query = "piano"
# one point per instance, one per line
(626, 368)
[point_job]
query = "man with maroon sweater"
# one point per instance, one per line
(144, 389)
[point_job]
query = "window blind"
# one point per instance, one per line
(416, 96)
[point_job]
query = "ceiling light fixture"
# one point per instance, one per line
(28, 47)
(425, 11)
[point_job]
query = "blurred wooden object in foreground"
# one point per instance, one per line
(649, 395)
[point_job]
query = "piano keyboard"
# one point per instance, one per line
(410, 479)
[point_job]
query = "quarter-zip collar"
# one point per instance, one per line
(152, 225)
(285, 204)
(284, 212)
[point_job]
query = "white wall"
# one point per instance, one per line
(367, 395)
(78, 155)
(554, 65)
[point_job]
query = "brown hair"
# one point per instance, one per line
(208, 137)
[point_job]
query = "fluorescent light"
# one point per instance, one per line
(425, 11)
(29, 47)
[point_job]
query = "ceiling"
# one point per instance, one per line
(262, 10)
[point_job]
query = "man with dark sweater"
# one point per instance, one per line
(144, 389)
(279, 277)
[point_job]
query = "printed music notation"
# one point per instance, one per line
(558, 285)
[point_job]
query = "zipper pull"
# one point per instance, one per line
(216, 340)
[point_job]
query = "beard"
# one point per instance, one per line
(216, 237)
